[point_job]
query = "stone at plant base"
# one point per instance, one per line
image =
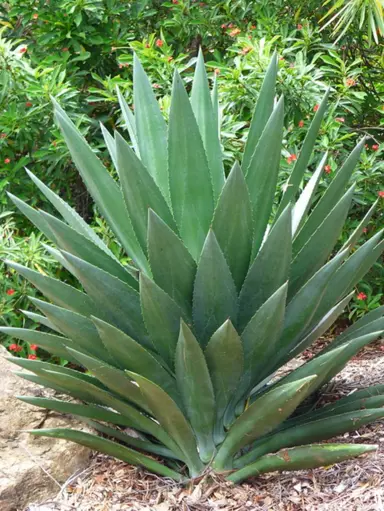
(22, 456)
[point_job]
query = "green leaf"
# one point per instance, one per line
(128, 354)
(119, 303)
(207, 122)
(214, 294)
(365, 321)
(225, 360)
(263, 110)
(110, 143)
(171, 420)
(306, 198)
(232, 224)
(261, 176)
(70, 215)
(140, 192)
(80, 246)
(78, 328)
(301, 458)
(194, 382)
(316, 251)
(354, 237)
(60, 293)
(301, 164)
(269, 270)
(129, 120)
(151, 129)
(108, 447)
(38, 318)
(328, 201)
(102, 187)
(161, 317)
(172, 265)
(189, 175)
(261, 417)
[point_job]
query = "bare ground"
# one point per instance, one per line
(356, 485)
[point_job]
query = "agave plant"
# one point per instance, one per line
(180, 351)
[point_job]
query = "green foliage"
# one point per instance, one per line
(179, 345)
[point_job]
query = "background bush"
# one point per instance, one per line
(80, 50)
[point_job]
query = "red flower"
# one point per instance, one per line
(252, 27)
(223, 26)
(217, 71)
(7, 160)
(299, 27)
(246, 50)
(361, 296)
(291, 158)
(33, 347)
(340, 119)
(365, 230)
(234, 32)
(32, 357)
(156, 86)
(316, 107)
(375, 147)
(3, 135)
(350, 82)
(301, 124)
(15, 347)
(381, 193)
(327, 169)
(10, 292)
(159, 43)
(28, 104)
(230, 25)
(175, 2)
(23, 49)
(35, 16)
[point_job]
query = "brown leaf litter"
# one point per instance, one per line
(355, 485)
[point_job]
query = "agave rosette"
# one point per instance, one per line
(224, 288)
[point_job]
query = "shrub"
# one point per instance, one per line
(184, 343)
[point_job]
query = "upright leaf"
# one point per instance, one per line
(214, 293)
(189, 175)
(129, 120)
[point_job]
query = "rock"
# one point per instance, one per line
(31, 468)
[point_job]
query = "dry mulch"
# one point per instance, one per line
(355, 485)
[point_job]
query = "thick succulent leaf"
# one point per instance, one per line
(195, 385)
(117, 380)
(119, 302)
(365, 322)
(263, 110)
(207, 122)
(232, 224)
(214, 293)
(302, 162)
(262, 172)
(306, 197)
(301, 458)
(129, 120)
(189, 175)
(140, 192)
(320, 328)
(80, 410)
(128, 354)
(34, 216)
(39, 318)
(80, 246)
(110, 143)
(316, 251)
(302, 308)
(225, 360)
(102, 187)
(215, 104)
(39, 380)
(172, 265)
(355, 236)
(151, 129)
(171, 419)
(79, 329)
(312, 431)
(269, 270)
(350, 273)
(261, 417)
(60, 293)
(138, 443)
(54, 344)
(161, 317)
(328, 201)
(261, 341)
(108, 447)
(70, 215)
